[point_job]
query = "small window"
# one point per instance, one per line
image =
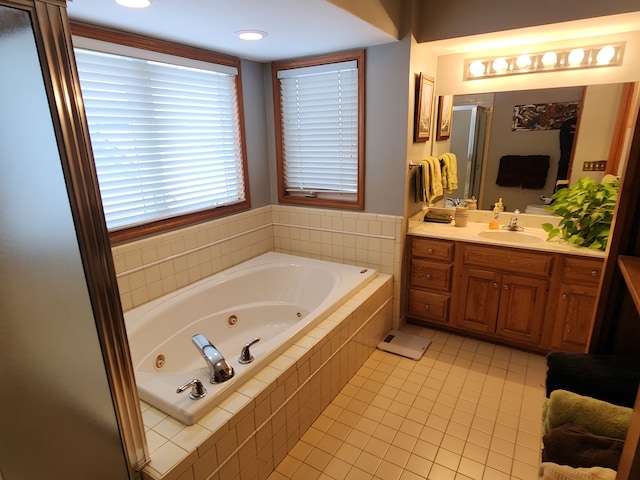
(319, 120)
(166, 134)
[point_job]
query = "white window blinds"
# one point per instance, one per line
(165, 137)
(320, 129)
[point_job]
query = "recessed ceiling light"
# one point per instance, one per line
(134, 3)
(251, 34)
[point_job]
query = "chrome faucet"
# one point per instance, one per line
(245, 354)
(513, 222)
(219, 369)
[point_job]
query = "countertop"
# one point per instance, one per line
(530, 238)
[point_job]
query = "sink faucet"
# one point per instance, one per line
(513, 222)
(219, 369)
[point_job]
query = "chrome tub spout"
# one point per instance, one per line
(219, 369)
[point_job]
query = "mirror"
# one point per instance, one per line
(483, 131)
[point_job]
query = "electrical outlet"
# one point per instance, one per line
(595, 166)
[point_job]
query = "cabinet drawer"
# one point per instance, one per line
(507, 260)
(432, 275)
(427, 305)
(581, 270)
(432, 249)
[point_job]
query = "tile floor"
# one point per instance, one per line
(466, 410)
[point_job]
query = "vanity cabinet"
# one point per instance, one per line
(497, 297)
(576, 303)
(430, 279)
(532, 299)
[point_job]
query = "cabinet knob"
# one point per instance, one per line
(506, 287)
(594, 273)
(430, 250)
(495, 284)
(427, 307)
(564, 296)
(428, 276)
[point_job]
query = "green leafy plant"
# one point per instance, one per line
(587, 210)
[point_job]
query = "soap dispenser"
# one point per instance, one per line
(497, 208)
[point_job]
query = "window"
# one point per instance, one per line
(319, 122)
(166, 132)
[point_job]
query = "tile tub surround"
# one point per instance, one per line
(249, 433)
(152, 267)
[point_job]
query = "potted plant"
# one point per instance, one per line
(587, 210)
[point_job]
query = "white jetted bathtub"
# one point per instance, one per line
(274, 297)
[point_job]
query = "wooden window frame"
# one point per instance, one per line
(283, 197)
(152, 44)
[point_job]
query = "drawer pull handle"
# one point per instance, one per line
(430, 250)
(564, 296)
(427, 307)
(506, 287)
(429, 276)
(495, 284)
(594, 273)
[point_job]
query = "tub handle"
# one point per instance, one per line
(197, 389)
(245, 355)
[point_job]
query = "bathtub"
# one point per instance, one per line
(274, 297)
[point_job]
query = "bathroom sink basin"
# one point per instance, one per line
(510, 236)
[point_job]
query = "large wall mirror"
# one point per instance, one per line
(536, 124)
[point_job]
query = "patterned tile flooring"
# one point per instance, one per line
(467, 410)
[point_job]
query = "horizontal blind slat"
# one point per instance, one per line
(166, 137)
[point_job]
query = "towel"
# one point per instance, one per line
(510, 171)
(575, 446)
(600, 418)
(611, 378)
(552, 471)
(429, 180)
(449, 172)
(535, 176)
(527, 171)
(435, 182)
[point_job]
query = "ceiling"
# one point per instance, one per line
(298, 28)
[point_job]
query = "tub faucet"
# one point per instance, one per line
(219, 369)
(245, 354)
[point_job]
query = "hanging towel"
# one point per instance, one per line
(536, 170)
(449, 171)
(434, 186)
(428, 180)
(527, 171)
(510, 171)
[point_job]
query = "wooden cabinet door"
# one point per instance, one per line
(480, 296)
(521, 310)
(572, 326)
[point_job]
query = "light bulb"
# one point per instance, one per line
(500, 65)
(523, 62)
(605, 55)
(549, 59)
(576, 57)
(477, 68)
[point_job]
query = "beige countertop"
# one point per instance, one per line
(532, 237)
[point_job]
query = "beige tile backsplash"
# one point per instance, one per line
(150, 268)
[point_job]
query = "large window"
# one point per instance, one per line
(319, 122)
(166, 132)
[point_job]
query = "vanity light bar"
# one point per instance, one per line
(608, 55)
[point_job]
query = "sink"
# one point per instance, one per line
(510, 236)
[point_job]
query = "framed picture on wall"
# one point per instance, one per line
(424, 109)
(445, 107)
